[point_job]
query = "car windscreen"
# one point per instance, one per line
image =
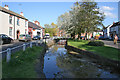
(3, 35)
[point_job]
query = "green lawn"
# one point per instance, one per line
(22, 64)
(108, 52)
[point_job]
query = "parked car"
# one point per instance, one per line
(101, 38)
(46, 37)
(5, 39)
(25, 37)
(36, 38)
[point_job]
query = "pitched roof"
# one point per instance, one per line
(12, 13)
(33, 25)
(108, 26)
(115, 24)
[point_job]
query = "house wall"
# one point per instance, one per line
(41, 33)
(1, 22)
(95, 33)
(35, 32)
(113, 31)
(107, 32)
(4, 28)
(119, 32)
(31, 31)
(5, 25)
(89, 35)
(21, 28)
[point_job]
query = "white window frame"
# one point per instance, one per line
(10, 19)
(10, 31)
(18, 21)
(25, 23)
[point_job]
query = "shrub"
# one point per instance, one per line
(96, 43)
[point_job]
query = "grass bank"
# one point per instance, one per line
(108, 52)
(22, 64)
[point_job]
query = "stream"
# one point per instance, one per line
(58, 63)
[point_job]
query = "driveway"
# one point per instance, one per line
(111, 43)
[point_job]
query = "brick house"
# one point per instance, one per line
(35, 29)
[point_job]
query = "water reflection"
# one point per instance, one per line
(58, 63)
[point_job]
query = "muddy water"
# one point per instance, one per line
(58, 63)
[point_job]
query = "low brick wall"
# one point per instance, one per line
(114, 65)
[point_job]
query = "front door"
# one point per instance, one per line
(18, 33)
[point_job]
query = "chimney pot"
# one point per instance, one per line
(6, 7)
(21, 14)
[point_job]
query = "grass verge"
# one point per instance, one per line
(108, 52)
(22, 64)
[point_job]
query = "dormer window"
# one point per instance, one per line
(18, 22)
(10, 19)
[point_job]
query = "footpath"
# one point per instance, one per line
(111, 44)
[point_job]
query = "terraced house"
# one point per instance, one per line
(11, 23)
(115, 29)
(34, 29)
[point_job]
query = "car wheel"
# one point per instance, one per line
(10, 41)
(25, 40)
(1, 42)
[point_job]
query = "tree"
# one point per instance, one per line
(51, 29)
(93, 17)
(83, 17)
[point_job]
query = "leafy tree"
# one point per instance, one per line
(83, 17)
(51, 29)
(92, 16)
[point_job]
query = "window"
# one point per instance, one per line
(10, 19)
(25, 31)
(25, 23)
(10, 31)
(18, 22)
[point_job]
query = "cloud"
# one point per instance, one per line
(109, 14)
(107, 8)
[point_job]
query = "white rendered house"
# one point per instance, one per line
(12, 24)
(36, 29)
(107, 32)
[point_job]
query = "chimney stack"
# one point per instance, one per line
(21, 14)
(6, 7)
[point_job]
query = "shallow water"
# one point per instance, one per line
(58, 63)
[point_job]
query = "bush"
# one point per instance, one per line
(96, 43)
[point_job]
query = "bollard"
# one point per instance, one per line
(24, 46)
(37, 43)
(8, 54)
(31, 44)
